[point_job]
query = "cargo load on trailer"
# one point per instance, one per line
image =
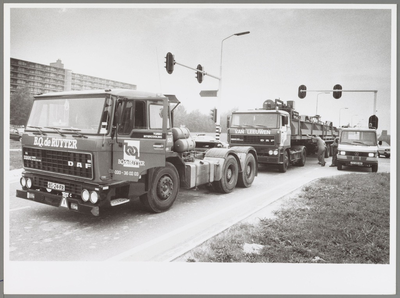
(280, 135)
(85, 150)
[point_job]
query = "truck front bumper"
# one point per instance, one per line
(57, 201)
(358, 162)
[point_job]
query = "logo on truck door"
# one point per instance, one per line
(131, 155)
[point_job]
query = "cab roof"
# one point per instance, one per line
(357, 129)
(126, 93)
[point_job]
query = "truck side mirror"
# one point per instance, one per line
(380, 143)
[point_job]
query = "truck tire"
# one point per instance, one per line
(163, 189)
(283, 167)
(339, 166)
(302, 161)
(246, 177)
(229, 176)
(374, 168)
(328, 151)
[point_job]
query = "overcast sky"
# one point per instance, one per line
(318, 46)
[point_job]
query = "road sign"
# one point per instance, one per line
(208, 93)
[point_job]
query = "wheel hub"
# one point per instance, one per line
(165, 188)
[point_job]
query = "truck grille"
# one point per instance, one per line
(257, 140)
(68, 163)
(363, 154)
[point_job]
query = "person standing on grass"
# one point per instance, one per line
(334, 146)
(321, 147)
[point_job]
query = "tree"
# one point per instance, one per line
(21, 102)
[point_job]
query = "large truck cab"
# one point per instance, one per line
(268, 131)
(81, 144)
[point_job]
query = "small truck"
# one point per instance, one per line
(85, 150)
(279, 134)
(358, 147)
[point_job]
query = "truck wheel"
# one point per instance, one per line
(229, 176)
(374, 168)
(283, 167)
(246, 177)
(339, 166)
(163, 189)
(327, 151)
(302, 161)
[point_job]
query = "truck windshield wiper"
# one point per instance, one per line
(77, 134)
(56, 129)
(39, 129)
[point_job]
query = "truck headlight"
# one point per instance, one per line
(23, 181)
(276, 152)
(342, 152)
(85, 195)
(94, 197)
(371, 154)
(28, 182)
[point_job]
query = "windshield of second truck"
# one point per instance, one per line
(244, 120)
(367, 138)
(67, 114)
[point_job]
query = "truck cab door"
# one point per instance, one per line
(141, 138)
(285, 131)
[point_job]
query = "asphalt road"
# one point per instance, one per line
(129, 233)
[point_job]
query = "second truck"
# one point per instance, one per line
(279, 134)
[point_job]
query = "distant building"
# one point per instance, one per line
(41, 78)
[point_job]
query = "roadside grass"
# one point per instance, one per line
(342, 219)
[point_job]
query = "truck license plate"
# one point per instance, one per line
(56, 186)
(357, 163)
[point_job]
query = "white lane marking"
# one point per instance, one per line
(20, 208)
(150, 243)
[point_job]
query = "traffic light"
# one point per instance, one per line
(302, 91)
(373, 122)
(213, 114)
(199, 74)
(337, 94)
(169, 62)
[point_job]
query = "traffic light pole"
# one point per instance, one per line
(197, 70)
(374, 91)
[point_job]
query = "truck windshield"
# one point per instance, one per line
(255, 120)
(67, 114)
(367, 138)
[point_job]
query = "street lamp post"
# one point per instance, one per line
(218, 120)
(340, 112)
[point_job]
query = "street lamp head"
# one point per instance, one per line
(242, 33)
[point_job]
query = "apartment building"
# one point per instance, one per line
(41, 78)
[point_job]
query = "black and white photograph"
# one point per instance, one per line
(179, 148)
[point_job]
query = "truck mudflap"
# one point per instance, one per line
(58, 201)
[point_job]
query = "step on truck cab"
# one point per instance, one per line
(85, 150)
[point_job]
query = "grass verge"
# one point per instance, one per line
(342, 219)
